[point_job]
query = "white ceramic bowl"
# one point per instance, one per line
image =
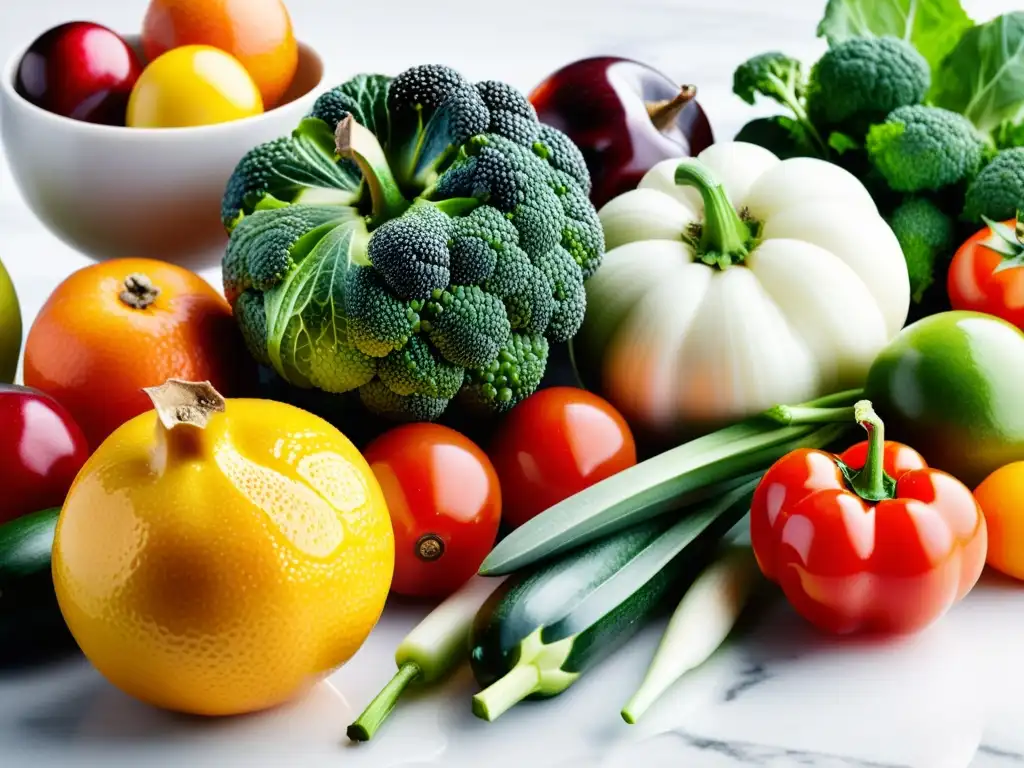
(113, 191)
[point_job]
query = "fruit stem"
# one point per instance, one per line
(430, 547)
(139, 291)
(871, 482)
(725, 239)
(664, 113)
(357, 143)
(183, 409)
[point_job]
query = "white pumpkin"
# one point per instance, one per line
(736, 281)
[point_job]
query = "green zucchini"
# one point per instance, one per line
(541, 629)
(671, 480)
(28, 604)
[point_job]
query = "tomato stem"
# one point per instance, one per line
(725, 238)
(870, 481)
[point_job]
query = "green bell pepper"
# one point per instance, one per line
(952, 386)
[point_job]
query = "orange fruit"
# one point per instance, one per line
(117, 326)
(256, 32)
(219, 557)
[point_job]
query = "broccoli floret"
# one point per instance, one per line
(411, 252)
(379, 323)
(433, 112)
(475, 244)
(512, 114)
(510, 378)
(859, 81)
(466, 324)
(780, 78)
(558, 149)
(364, 97)
(570, 300)
(378, 399)
(251, 316)
(417, 370)
(300, 168)
(997, 193)
(462, 251)
(267, 245)
(926, 235)
(920, 148)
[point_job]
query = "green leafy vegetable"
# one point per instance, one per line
(415, 240)
(983, 76)
(932, 26)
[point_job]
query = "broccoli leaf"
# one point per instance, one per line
(932, 26)
(983, 76)
(365, 97)
(780, 134)
(307, 329)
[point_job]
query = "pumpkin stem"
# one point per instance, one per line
(726, 239)
(139, 291)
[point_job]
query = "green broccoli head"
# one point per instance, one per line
(920, 148)
(926, 235)
(301, 168)
(460, 250)
(997, 193)
(861, 80)
(774, 75)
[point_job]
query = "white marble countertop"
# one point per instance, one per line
(778, 696)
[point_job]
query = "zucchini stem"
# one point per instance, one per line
(378, 710)
(539, 670)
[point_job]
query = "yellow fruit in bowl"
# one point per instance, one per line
(218, 557)
(191, 86)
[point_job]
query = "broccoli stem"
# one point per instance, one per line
(361, 146)
(785, 91)
(725, 239)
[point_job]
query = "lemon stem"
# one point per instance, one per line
(183, 409)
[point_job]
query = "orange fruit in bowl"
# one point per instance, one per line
(116, 326)
(219, 557)
(256, 32)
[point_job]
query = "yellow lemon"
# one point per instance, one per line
(219, 557)
(193, 85)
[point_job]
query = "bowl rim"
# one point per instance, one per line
(7, 77)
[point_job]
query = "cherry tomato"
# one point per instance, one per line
(553, 445)
(445, 504)
(1001, 498)
(982, 279)
(191, 86)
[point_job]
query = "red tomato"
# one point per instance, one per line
(973, 282)
(553, 445)
(445, 504)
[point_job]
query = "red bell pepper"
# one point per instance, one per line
(871, 539)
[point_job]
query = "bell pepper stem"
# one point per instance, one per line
(869, 482)
(378, 710)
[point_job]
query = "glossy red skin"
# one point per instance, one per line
(601, 104)
(41, 451)
(80, 70)
(973, 283)
(436, 481)
(847, 565)
(553, 445)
